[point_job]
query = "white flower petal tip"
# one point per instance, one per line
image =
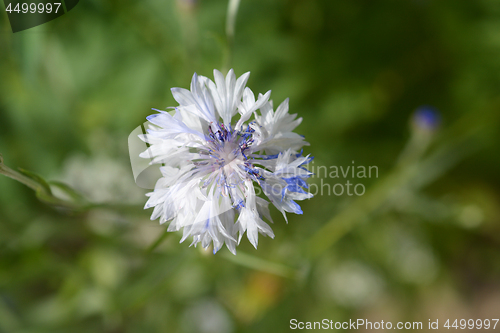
(213, 165)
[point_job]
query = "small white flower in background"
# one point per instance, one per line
(100, 178)
(212, 167)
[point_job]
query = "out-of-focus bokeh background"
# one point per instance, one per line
(423, 242)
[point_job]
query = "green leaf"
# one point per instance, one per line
(72, 193)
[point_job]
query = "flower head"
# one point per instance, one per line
(213, 168)
(426, 118)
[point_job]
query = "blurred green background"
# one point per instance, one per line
(422, 243)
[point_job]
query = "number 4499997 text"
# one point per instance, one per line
(34, 8)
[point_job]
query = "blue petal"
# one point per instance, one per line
(296, 208)
(151, 117)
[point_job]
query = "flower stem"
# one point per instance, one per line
(412, 173)
(259, 264)
(5, 170)
(232, 11)
(41, 188)
(158, 241)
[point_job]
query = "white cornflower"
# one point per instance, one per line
(211, 166)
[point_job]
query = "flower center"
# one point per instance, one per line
(227, 144)
(230, 151)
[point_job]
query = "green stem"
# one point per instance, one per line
(5, 170)
(41, 188)
(259, 264)
(357, 212)
(232, 11)
(158, 241)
